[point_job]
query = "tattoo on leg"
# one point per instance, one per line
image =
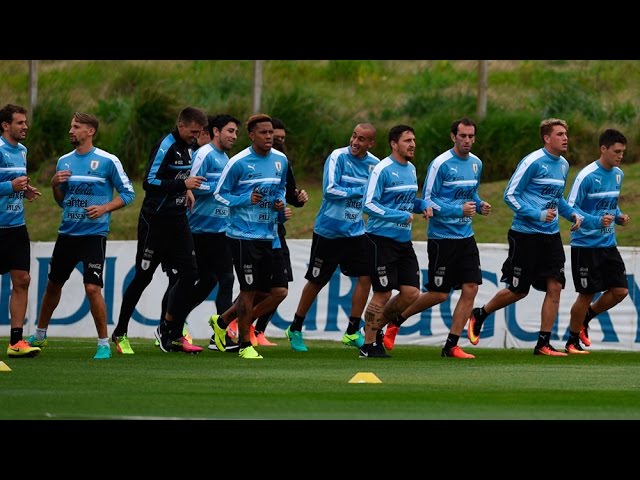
(373, 316)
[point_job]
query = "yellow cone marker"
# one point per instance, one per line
(4, 367)
(365, 377)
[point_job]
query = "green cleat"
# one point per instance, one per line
(249, 353)
(353, 340)
(34, 342)
(185, 334)
(103, 353)
(122, 344)
(219, 333)
(297, 342)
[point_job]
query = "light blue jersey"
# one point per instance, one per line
(343, 186)
(391, 198)
(246, 172)
(595, 193)
(452, 181)
(536, 186)
(13, 164)
(94, 175)
(209, 215)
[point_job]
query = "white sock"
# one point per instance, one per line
(103, 342)
(41, 333)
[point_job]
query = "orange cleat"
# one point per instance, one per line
(264, 341)
(549, 351)
(390, 336)
(575, 349)
(456, 352)
(584, 336)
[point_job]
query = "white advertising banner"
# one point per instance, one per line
(516, 326)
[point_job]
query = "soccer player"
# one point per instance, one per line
(294, 197)
(390, 201)
(83, 187)
(536, 256)
(15, 257)
(596, 263)
(164, 234)
(339, 234)
(451, 188)
(252, 186)
(208, 218)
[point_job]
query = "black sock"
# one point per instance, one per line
(263, 321)
(574, 338)
(354, 325)
(296, 326)
(244, 345)
(399, 320)
(587, 318)
(221, 322)
(452, 341)
(16, 335)
(483, 314)
(379, 337)
(543, 339)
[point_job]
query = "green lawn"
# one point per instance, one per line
(64, 382)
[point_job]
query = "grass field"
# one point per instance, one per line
(65, 383)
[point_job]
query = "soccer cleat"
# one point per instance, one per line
(163, 340)
(263, 341)
(473, 330)
(575, 348)
(232, 330)
(182, 345)
(219, 333)
(122, 344)
(103, 353)
(389, 339)
(353, 340)
(34, 342)
(584, 336)
(22, 349)
(374, 350)
(456, 352)
(185, 333)
(252, 336)
(296, 340)
(230, 345)
(249, 353)
(549, 351)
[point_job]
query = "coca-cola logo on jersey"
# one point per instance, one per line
(81, 189)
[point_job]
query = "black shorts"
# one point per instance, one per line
(280, 276)
(166, 240)
(453, 262)
(392, 264)
(16, 249)
(253, 262)
(287, 258)
(351, 253)
(213, 253)
(597, 269)
(70, 250)
(533, 258)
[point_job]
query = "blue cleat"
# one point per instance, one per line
(297, 342)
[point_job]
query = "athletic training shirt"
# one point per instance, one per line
(246, 172)
(452, 181)
(536, 186)
(343, 186)
(13, 164)
(595, 193)
(94, 175)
